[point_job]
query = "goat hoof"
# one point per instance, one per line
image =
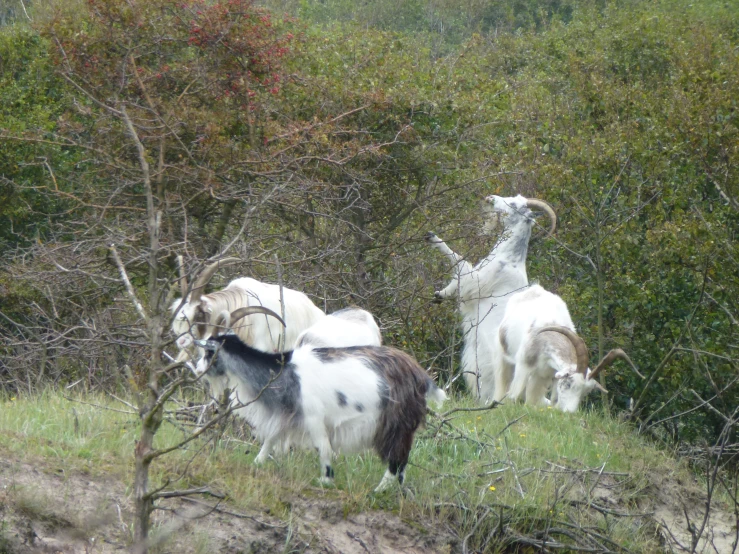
(430, 236)
(437, 298)
(326, 482)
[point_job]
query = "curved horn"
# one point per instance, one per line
(206, 275)
(609, 358)
(535, 204)
(183, 277)
(581, 350)
(243, 312)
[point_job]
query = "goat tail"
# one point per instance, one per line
(434, 395)
(403, 407)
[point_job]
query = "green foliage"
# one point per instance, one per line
(31, 100)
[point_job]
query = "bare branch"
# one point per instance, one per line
(129, 288)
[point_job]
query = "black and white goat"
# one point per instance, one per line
(484, 290)
(345, 399)
(202, 314)
(541, 347)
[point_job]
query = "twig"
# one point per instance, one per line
(129, 288)
(230, 513)
(187, 492)
(492, 405)
(608, 511)
(100, 407)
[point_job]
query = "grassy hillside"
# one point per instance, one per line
(491, 479)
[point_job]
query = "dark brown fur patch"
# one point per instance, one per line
(405, 410)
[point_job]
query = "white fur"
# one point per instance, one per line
(257, 330)
(540, 359)
(324, 424)
(348, 327)
(484, 290)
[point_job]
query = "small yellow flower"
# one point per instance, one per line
(12, 398)
(522, 435)
(491, 487)
(469, 421)
(479, 418)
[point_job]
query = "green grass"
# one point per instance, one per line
(493, 475)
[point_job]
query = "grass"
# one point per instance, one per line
(496, 477)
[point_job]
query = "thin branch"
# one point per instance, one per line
(187, 492)
(129, 288)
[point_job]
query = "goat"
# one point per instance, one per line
(346, 399)
(538, 338)
(484, 290)
(202, 314)
(348, 327)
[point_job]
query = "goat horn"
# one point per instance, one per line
(206, 275)
(243, 312)
(581, 350)
(609, 358)
(183, 277)
(535, 204)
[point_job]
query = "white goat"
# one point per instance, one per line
(484, 290)
(348, 327)
(202, 314)
(345, 399)
(538, 337)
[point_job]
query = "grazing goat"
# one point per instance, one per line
(538, 338)
(348, 327)
(484, 290)
(344, 399)
(202, 314)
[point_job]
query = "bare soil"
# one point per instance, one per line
(43, 510)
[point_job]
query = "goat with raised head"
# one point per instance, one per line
(200, 315)
(348, 327)
(483, 290)
(538, 339)
(331, 399)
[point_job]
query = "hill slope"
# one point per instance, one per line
(488, 481)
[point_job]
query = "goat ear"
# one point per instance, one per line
(222, 322)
